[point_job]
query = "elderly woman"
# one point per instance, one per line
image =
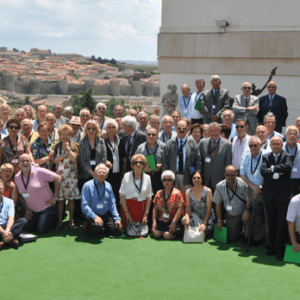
(199, 201)
(30, 114)
(41, 148)
(196, 132)
(168, 208)
(53, 133)
(65, 159)
(136, 193)
(116, 156)
(12, 146)
(92, 151)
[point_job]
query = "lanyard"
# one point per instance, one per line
(233, 191)
(265, 145)
(110, 146)
(98, 190)
(156, 148)
(101, 126)
(12, 148)
(287, 150)
(50, 137)
(25, 185)
(256, 163)
(1, 206)
(166, 200)
(186, 105)
(139, 189)
(163, 136)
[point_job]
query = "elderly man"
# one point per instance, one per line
(26, 127)
(276, 170)
(205, 131)
(143, 122)
(76, 134)
(275, 104)
(293, 219)
(10, 228)
(231, 194)
(69, 112)
(176, 116)
(133, 113)
(250, 173)
(20, 114)
(185, 99)
(193, 113)
(4, 116)
(270, 124)
(98, 204)
(35, 194)
(132, 139)
(101, 109)
(216, 154)
(262, 134)
(53, 132)
(291, 146)
(246, 106)
(227, 118)
(239, 143)
(42, 110)
(118, 111)
(60, 120)
(167, 132)
(154, 122)
(214, 101)
(84, 115)
(181, 155)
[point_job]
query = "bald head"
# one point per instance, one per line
(272, 87)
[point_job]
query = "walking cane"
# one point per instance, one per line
(251, 223)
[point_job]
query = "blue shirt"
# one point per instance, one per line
(93, 205)
(4, 131)
(233, 131)
(7, 209)
(184, 104)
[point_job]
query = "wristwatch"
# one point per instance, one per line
(55, 195)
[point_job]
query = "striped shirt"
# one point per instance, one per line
(224, 195)
(238, 149)
(293, 213)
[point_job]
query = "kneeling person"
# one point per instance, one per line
(233, 193)
(99, 205)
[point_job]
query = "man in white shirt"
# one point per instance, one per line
(42, 110)
(185, 99)
(60, 120)
(193, 113)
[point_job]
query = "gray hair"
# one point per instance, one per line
(167, 116)
(215, 77)
(54, 106)
(3, 105)
(212, 124)
(188, 121)
(291, 127)
(70, 109)
(254, 137)
(26, 119)
(100, 104)
(111, 121)
(270, 115)
(130, 121)
(232, 113)
(102, 166)
(155, 117)
(185, 86)
(50, 114)
(168, 173)
(140, 113)
(84, 109)
(20, 110)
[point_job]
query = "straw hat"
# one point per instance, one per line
(75, 120)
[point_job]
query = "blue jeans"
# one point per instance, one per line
(16, 228)
(42, 221)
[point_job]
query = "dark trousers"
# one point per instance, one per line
(234, 225)
(42, 221)
(16, 228)
(295, 186)
(108, 227)
(115, 180)
(195, 121)
(278, 230)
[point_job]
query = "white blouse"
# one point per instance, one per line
(130, 191)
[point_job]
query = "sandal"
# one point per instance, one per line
(71, 226)
(58, 227)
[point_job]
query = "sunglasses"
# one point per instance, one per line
(182, 128)
(101, 108)
(239, 126)
(196, 178)
(246, 88)
(91, 128)
(14, 127)
(167, 179)
(151, 134)
(232, 175)
(133, 115)
(138, 162)
(254, 145)
(271, 87)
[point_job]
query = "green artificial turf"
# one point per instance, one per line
(68, 265)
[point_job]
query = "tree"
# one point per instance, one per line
(27, 102)
(110, 106)
(84, 99)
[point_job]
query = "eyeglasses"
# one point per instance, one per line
(25, 125)
(253, 145)
(118, 110)
(25, 161)
(271, 87)
(85, 116)
(167, 179)
(101, 108)
(138, 162)
(101, 172)
(246, 88)
(151, 134)
(196, 178)
(167, 122)
(232, 175)
(133, 115)
(182, 128)
(292, 133)
(239, 126)
(91, 128)
(142, 119)
(14, 127)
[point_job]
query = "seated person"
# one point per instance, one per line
(99, 205)
(9, 228)
(36, 196)
(232, 192)
(293, 219)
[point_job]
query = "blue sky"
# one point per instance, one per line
(120, 29)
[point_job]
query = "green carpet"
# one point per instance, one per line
(68, 265)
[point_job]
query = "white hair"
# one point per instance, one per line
(69, 109)
(20, 110)
(111, 121)
(168, 173)
(232, 113)
(212, 124)
(291, 127)
(256, 138)
(215, 77)
(130, 121)
(155, 117)
(84, 109)
(141, 113)
(100, 104)
(167, 116)
(102, 166)
(185, 86)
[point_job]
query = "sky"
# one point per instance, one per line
(119, 29)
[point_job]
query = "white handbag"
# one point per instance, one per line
(192, 234)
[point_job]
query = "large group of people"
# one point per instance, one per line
(224, 160)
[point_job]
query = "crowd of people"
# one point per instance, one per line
(222, 159)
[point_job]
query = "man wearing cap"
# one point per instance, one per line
(75, 123)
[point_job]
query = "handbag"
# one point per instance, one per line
(192, 234)
(137, 229)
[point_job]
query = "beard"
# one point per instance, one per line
(25, 168)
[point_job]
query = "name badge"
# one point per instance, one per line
(14, 161)
(213, 106)
(185, 111)
(166, 216)
(294, 170)
(229, 207)
(140, 199)
(99, 205)
(93, 162)
(208, 159)
(25, 195)
(275, 176)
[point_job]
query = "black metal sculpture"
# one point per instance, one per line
(256, 92)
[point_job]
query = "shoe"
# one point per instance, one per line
(14, 244)
(2, 245)
(279, 256)
(270, 252)
(71, 226)
(256, 243)
(58, 227)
